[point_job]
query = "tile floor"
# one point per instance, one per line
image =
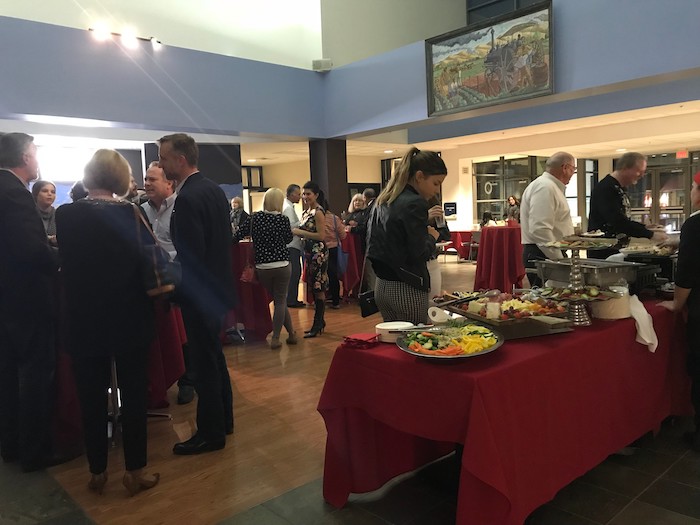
(657, 485)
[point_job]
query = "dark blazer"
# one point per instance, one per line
(201, 232)
(27, 264)
(101, 263)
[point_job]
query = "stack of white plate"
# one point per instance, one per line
(384, 330)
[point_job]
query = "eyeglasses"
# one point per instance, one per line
(570, 165)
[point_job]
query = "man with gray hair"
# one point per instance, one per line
(544, 212)
(27, 269)
(610, 205)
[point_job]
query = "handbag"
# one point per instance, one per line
(368, 305)
(248, 274)
(341, 256)
(161, 276)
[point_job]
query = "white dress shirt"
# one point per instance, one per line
(291, 214)
(160, 222)
(545, 214)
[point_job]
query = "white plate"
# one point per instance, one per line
(384, 329)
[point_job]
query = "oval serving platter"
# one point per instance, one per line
(403, 345)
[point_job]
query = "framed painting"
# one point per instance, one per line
(501, 60)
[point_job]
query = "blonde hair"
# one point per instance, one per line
(356, 197)
(107, 170)
(413, 161)
(273, 200)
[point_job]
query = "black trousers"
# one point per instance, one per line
(693, 363)
(211, 379)
(532, 253)
(295, 262)
(333, 282)
(92, 378)
(27, 365)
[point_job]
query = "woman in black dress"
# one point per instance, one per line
(109, 314)
(312, 230)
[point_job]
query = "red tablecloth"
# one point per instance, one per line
(165, 361)
(533, 415)
(253, 308)
(499, 264)
(457, 239)
(352, 245)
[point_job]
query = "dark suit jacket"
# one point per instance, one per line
(27, 264)
(201, 232)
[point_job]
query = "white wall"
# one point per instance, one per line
(359, 29)
(364, 169)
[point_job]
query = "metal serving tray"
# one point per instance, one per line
(599, 272)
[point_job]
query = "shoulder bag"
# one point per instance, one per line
(161, 276)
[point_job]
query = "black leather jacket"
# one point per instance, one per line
(399, 244)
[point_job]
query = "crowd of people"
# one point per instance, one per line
(97, 241)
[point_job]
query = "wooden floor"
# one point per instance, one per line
(279, 440)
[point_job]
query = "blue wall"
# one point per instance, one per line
(650, 45)
(52, 70)
(597, 43)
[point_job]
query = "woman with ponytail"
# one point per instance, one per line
(400, 241)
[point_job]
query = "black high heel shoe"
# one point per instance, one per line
(315, 330)
(313, 326)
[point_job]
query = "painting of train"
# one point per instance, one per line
(501, 60)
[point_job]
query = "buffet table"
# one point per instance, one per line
(533, 416)
(352, 245)
(253, 306)
(499, 264)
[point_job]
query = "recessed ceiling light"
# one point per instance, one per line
(252, 160)
(388, 151)
(621, 150)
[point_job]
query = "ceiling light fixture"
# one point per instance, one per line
(252, 160)
(621, 150)
(128, 37)
(388, 151)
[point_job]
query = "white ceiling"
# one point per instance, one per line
(260, 30)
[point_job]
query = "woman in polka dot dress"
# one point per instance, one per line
(312, 231)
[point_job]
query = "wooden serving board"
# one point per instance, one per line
(519, 328)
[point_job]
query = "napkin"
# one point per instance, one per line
(645, 326)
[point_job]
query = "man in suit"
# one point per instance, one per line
(201, 232)
(27, 269)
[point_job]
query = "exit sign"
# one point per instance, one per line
(683, 154)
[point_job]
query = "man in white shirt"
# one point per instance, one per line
(159, 207)
(544, 212)
(295, 247)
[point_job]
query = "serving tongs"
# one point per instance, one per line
(461, 300)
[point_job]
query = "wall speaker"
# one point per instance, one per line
(322, 65)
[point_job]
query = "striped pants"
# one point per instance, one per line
(398, 301)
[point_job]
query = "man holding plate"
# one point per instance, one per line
(610, 205)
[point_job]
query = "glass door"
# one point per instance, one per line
(660, 197)
(672, 197)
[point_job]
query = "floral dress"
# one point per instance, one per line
(315, 254)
